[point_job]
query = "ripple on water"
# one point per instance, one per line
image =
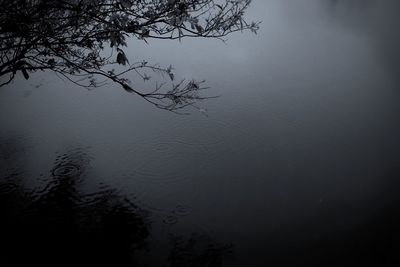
(207, 142)
(7, 188)
(67, 170)
(181, 210)
(170, 219)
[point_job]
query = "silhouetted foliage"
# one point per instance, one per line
(83, 40)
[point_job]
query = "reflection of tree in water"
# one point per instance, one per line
(60, 225)
(197, 251)
(12, 167)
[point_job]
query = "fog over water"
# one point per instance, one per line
(295, 164)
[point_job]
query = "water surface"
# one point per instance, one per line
(296, 164)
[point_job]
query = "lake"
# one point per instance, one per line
(296, 163)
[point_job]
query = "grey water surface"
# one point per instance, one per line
(297, 163)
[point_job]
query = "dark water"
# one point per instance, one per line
(297, 164)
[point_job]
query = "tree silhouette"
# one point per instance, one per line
(84, 40)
